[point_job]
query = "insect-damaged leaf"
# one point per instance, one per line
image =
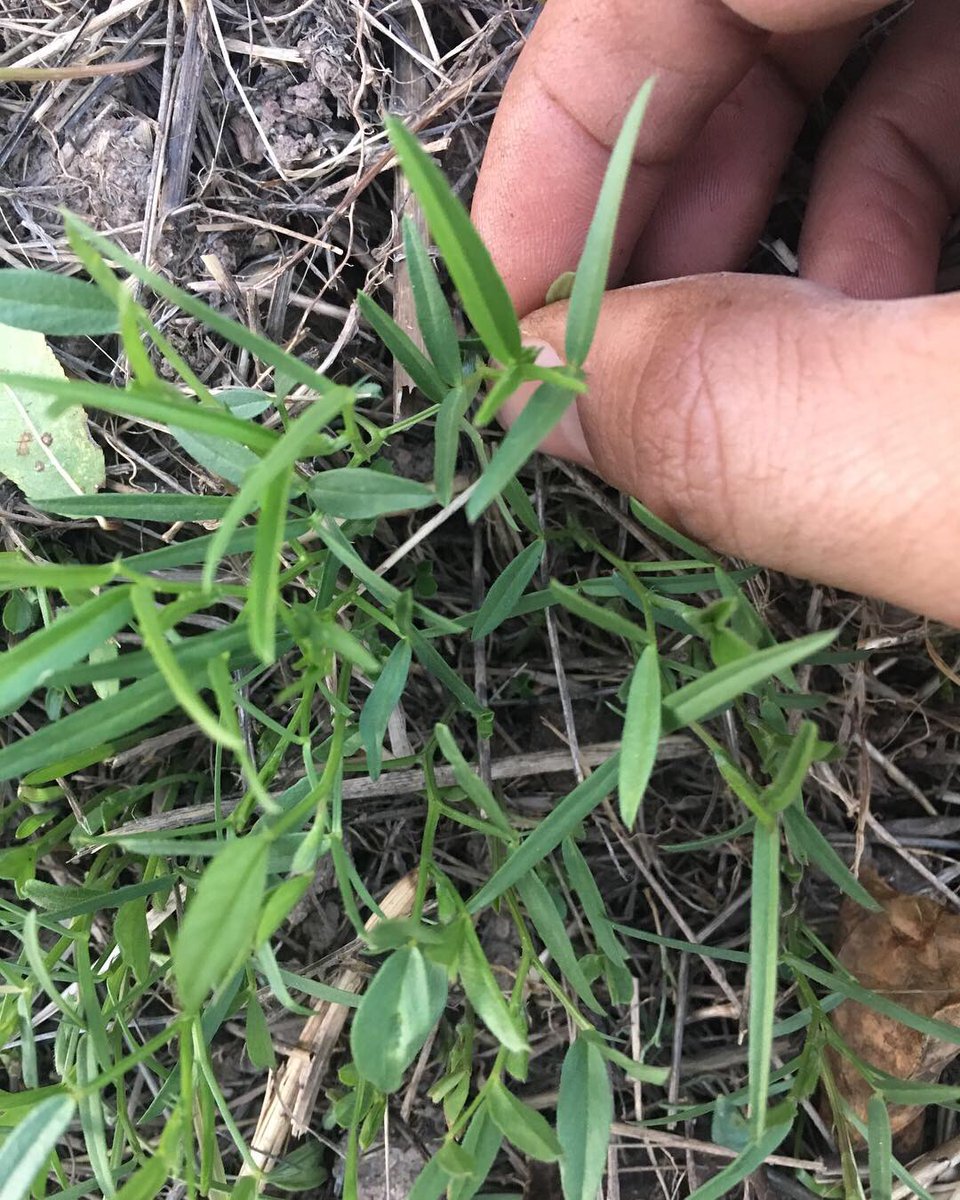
(46, 455)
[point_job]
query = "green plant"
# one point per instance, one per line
(190, 912)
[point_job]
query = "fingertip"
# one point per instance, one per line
(566, 439)
(795, 16)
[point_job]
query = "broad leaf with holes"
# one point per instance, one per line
(46, 455)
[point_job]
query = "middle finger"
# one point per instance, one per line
(713, 208)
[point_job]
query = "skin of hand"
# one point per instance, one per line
(812, 425)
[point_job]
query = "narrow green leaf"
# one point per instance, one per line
(786, 786)
(401, 1005)
(633, 1069)
(601, 615)
(482, 1142)
(91, 726)
(133, 937)
(28, 1146)
(56, 304)
(192, 652)
(66, 640)
(711, 692)
(259, 1043)
(420, 369)
(240, 335)
(548, 923)
(594, 267)
(715, 839)
(454, 1161)
(879, 1148)
(226, 459)
(92, 1120)
(548, 835)
(221, 919)
(447, 439)
(522, 1125)
(138, 506)
(561, 288)
(431, 1183)
(742, 787)
(764, 954)
(584, 1117)
(507, 589)
(591, 900)
(913, 1184)
(899, 1091)
(809, 845)
(471, 783)
(668, 534)
(162, 404)
(17, 571)
(500, 392)
(433, 313)
(851, 990)
(482, 292)
(280, 902)
(282, 455)
(309, 987)
(180, 554)
(66, 901)
(145, 1183)
(263, 597)
(41, 975)
(641, 734)
(359, 493)
(379, 705)
(743, 1165)
(244, 402)
(132, 319)
(343, 551)
(484, 993)
(539, 416)
(436, 665)
(96, 1047)
(154, 639)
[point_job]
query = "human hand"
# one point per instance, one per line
(812, 425)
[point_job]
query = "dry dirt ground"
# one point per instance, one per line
(247, 160)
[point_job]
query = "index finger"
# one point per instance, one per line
(566, 101)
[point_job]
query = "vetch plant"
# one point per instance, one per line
(269, 631)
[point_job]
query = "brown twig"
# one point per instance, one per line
(91, 70)
(411, 91)
(293, 1089)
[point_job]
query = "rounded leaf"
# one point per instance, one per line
(399, 1008)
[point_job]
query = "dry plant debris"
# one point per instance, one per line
(908, 952)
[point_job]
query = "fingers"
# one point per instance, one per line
(787, 424)
(794, 16)
(713, 208)
(561, 112)
(565, 103)
(888, 179)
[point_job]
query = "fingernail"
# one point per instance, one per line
(567, 439)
